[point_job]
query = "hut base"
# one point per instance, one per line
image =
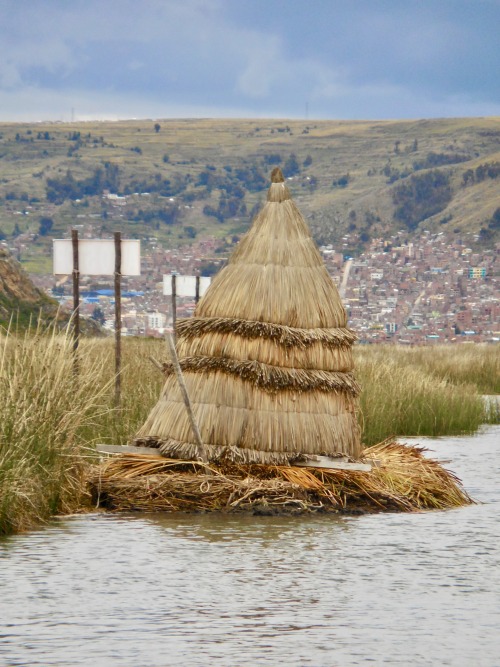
(404, 481)
(223, 455)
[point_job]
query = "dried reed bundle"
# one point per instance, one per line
(405, 481)
(316, 356)
(271, 378)
(302, 297)
(285, 336)
(119, 486)
(406, 472)
(231, 412)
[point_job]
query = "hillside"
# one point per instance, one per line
(19, 298)
(182, 179)
(23, 305)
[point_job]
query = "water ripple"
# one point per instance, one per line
(196, 590)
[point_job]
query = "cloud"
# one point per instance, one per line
(159, 57)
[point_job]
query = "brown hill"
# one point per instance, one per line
(22, 303)
(20, 300)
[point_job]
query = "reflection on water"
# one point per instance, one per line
(156, 590)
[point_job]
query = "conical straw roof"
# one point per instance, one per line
(267, 357)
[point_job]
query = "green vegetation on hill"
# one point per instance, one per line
(180, 179)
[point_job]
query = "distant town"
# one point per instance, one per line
(432, 290)
(429, 291)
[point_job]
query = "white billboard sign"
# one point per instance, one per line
(185, 285)
(96, 257)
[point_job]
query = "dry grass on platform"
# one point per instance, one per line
(404, 481)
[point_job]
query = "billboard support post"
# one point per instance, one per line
(197, 291)
(175, 285)
(76, 298)
(118, 315)
(174, 305)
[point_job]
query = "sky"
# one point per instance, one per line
(315, 59)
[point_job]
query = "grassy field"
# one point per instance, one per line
(374, 156)
(51, 419)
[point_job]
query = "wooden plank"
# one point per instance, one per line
(127, 449)
(340, 463)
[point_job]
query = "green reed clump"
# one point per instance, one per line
(45, 411)
(399, 398)
(141, 383)
(466, 363)
(492, 409)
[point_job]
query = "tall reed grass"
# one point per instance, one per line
(477, 364)
(47, 417)
(422, 391)
(417, 391)
(141, 383)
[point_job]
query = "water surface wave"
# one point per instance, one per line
(195, 590)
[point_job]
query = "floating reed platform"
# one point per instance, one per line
(404, 480)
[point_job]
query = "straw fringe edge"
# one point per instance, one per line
(279, 333)
(270, 378)
(226, 454)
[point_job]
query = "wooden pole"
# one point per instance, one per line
(156, 363)
(174, 305)
(202, 454)
(197, 293)
(118, 315)
(76, 298)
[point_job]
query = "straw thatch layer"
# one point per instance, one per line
(405, 481)
(295, 296)
(283, 335)
(233, 413)
(269, 432)
(271, 378)
(276, 275)
(313, 357)
(188, 451)
(224, 454)
(222, 390)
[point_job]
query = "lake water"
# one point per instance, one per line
(196, 590)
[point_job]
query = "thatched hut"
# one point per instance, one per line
(267, 356)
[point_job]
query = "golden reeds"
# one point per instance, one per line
(46, 413)
(282, 335)
(232, 412)
(404, 480)
(315, 356)
(402, 398)
(271, 378)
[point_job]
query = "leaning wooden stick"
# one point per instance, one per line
(202, 454)
(156, 363)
